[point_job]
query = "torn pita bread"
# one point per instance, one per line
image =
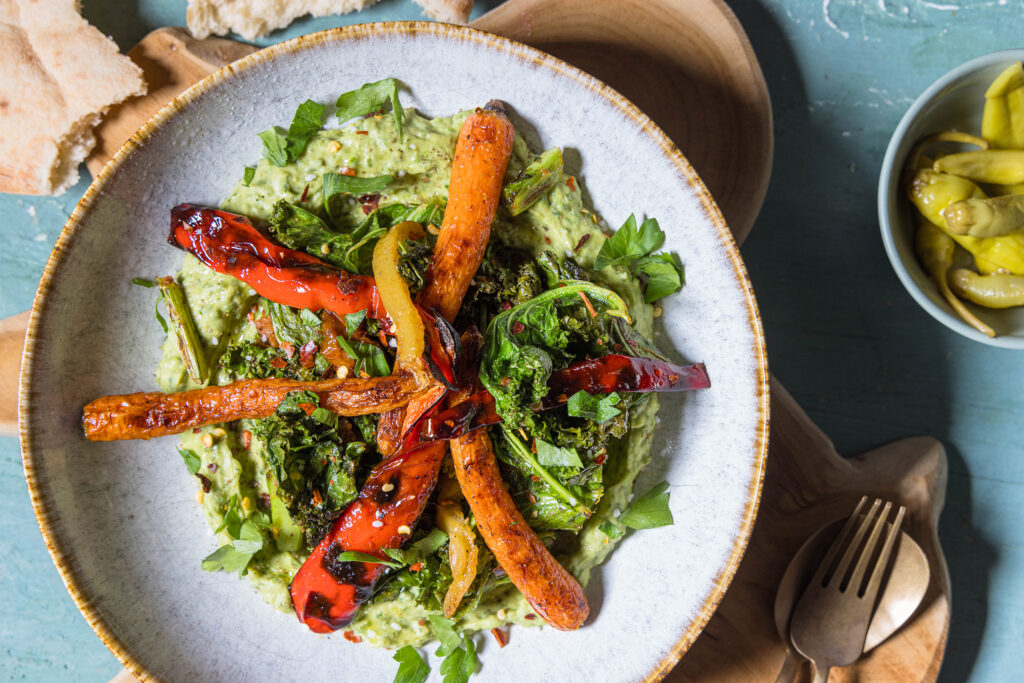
(58, 75)
(450, 11)
(252, 19)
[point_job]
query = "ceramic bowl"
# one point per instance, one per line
(955, 101)
(120, 518)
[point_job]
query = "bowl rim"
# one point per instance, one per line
(43, 506)
(888, 182)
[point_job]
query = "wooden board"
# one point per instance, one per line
(690, 67)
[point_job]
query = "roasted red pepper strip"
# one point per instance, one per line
(327, 593)
(612, 373)
(228, 243)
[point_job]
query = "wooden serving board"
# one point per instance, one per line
(691, 68)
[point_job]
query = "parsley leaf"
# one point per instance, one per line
(610, 529)
(274, 147)
(460, 664)
(550, 455)
(446, 635)
(664, 273)
(338, 184)
(356, 556)
(594, 406)
(248, 174)
(459, 652)
(649, 510)
(308, 119)
(235, 556)
(353, 321)
(369, 98)
(192, 460)
(631, 247)
(411, 667)
(143, 282)
(419, 550)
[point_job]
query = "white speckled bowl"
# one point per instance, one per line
(955, 101)
(120, 519)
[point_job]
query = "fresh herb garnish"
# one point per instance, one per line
(192, 461)
(459, 652)
(142, 282)
(338, 184)
(280, 149)
(235, 556)
(369, 98)
(649, 510)
(610, 529)
(550, 455)
(248, 174)
(411, 667)
(356, 556)
(593, 407)
(632, 247)
(353, 321)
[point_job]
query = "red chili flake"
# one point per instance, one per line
(278, 362)
(305, 193)
(500, 636)
(600, 460)
(207, 484)
(246, 437)
(534, 477)
(505, 305)
(362, 132)
(532, 498)
(504, 381)
(547, 240)
(421, 622)
(416, 567)
(590, 307)
(517, 327)
(583, 240)
(369, 202)
(617, 347)
(196, 430)
(561, 398)
(307, 408)
(264, 501)
(352, 637)
(530, 617)
(307, 354)
(317, 496)
(571, 182)
(212, 467)
(533, 446)
(288, 348)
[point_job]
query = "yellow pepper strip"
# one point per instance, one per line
(1002, 122)
(935, 250)
(992, 217)
(394, 294)
(462, 552)
(1002, 166)
(991, 291)
(931, 192)
(916, 160)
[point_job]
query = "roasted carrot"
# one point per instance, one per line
(328, 601)
(149, 414)
(478, 170)
(551, 590)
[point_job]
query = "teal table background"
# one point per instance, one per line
(864, 361)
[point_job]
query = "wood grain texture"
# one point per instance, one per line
(807, 485)
(687, 65)
(12, 341)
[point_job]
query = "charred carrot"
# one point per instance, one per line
(478, 169)
(549, 588)
(150, 414)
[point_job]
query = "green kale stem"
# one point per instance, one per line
(192, 351)
(524, 452)
(533, 182)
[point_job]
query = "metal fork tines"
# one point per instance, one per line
(831, 619)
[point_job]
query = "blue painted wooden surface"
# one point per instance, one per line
(843, 336)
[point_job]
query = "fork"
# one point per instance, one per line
(831, 619)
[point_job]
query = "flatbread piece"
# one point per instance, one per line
(58, 75)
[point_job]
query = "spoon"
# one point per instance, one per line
(901, 596)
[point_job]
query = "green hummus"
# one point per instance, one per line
(420, 164)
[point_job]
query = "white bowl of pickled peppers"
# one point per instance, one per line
(951, 199)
